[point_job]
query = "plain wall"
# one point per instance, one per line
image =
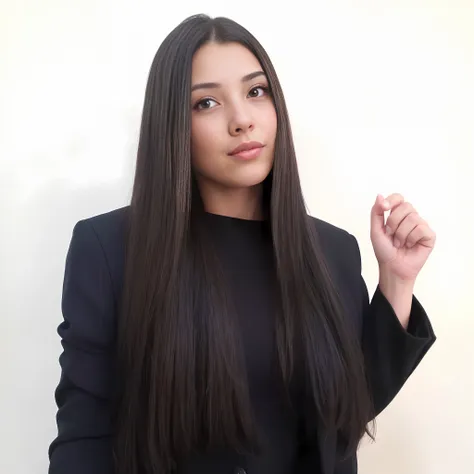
(381, 97)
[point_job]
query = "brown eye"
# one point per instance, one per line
(257, 91)
(205, 104)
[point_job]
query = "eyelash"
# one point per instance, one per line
(265, 90)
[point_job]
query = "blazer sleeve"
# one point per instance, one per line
(391, 352)
(83, 396)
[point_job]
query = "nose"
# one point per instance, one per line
(240, 122)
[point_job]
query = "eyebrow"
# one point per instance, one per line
(215, 85)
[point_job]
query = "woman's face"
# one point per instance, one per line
(231, 106)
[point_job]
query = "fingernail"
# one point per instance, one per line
(396, 242)
(388, 230)
(386, 204)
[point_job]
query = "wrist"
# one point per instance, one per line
(399, 294)
(394, 283)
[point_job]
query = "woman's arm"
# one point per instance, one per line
(391, 351)
(83, 396)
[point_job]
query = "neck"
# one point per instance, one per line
(243, 203)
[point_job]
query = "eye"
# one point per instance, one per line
(258, 91)
(205, 104)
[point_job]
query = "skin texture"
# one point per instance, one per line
(223, 117)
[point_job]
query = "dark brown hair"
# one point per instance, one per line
(181, 382)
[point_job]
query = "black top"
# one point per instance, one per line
(245, 250)
(91, 293)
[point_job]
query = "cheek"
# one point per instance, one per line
(269, 121)
(202, 142)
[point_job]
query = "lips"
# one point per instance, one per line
(246, 147)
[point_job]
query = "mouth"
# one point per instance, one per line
(247, 150)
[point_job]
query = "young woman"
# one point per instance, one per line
(213, 326)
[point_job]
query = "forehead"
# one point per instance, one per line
(223, 63)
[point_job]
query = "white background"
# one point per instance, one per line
(381, 97)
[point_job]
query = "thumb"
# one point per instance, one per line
(377, 214)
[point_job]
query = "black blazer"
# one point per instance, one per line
(91, 292)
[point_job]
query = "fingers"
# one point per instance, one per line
(422, 234)
(404, 223)
(401, 221)
(397, 215)
(380, 206)
(408, 228)
(393, 201)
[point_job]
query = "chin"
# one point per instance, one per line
(248, 178)
(243, 177)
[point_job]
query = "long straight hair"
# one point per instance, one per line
(182, 386)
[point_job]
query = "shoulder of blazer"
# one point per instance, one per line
(109, 229)
(342, 256)
(339, 247)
